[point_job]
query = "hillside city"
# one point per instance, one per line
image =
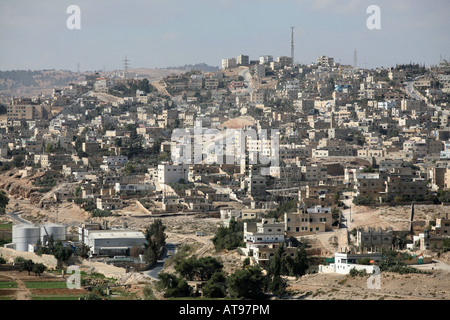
(262, 179)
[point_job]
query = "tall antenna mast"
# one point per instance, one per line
(355, 59)
(292, 45)
(126, 66)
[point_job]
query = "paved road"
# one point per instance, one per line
(248, 79)
(15, 215)
(412, 92)
(157, 268)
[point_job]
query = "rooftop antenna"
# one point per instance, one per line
(292, 44)
(355, 59)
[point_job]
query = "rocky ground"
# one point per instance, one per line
(393, 286)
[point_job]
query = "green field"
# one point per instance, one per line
(6, 226)
(46, 285)
(7, 285)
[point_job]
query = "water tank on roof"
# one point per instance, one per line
(23, 235)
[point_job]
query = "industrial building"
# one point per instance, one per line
(26, 236)
(114, 242)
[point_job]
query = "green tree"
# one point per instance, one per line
(277, 284)
(216, 286)
(155, 241)
(49, 148)
(301, 262)
(128, 168)
(198, 268)
(4, 200)
(229, 238)
(248, 283)
(174, 286)
(38, 269)
(78, 191)
(61, 253)
(18, 161)
(26, 265)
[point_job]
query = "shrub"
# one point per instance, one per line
(357, 273)
(100, 213)
(363, 201)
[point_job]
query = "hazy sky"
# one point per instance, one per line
(162, 33)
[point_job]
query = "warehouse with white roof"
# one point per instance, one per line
(114, 242)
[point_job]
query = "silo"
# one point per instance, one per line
(58, 231)
(23, 235)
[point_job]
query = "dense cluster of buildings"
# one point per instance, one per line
(382, 134)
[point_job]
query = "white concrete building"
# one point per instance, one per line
(263, 233)
(344, 262)
(169, 173)
(113, 162)
(228, 63)
(265, 59)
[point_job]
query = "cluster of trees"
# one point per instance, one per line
(100, 213)
(229, 238)
(55, 248)
(129, 88)
(289, 206)
(392, 263)
(46, 183)
(249, 282)
(30, 266)
(363, 201)
(282, 264)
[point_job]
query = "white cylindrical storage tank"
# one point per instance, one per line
(57, 230)
(23, 235)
